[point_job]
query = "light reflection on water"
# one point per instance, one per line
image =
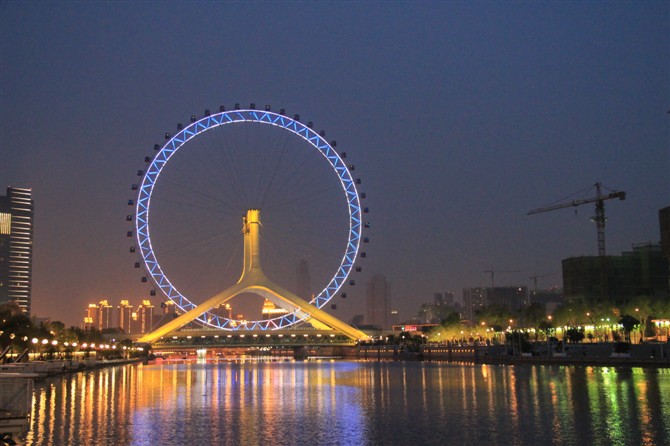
(352, 403)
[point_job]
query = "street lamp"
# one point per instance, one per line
(642, 324)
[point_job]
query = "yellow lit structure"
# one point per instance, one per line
(253, 280)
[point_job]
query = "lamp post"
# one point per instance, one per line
(641, 329)
(511, 321)
(549, 317)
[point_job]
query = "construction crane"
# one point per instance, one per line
(599, 218)
(539, 276)
(494, 271)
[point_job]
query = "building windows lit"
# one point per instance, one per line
(16, 247)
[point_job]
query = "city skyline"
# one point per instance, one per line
(460, 119)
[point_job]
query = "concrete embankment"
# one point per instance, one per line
(43, 369)
(638, 355)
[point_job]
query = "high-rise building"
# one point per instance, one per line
(105, 315)
(90, 317)
(378, 302)
(125, 316)
(98, 316)
(446, 298)
(169, 308)
(145, 314)
(167, 313)
(473, 300)
(135, 323)
(16, 247)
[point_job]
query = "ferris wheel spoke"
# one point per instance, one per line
(273, 176)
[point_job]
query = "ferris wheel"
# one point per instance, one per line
(243, 190)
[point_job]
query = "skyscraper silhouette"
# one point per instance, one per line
(378, 302)
(303, 284)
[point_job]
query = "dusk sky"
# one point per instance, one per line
(459, 116)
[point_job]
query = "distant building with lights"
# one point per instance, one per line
(222, 310)
(167, 313)
(105, 312)
(511, 297)
(443, 299)
(16, 247)
(91, 316)
(145, 313)
(473, 299)
(270, 310)
(125, 313)
(135, 323)
(98, 316)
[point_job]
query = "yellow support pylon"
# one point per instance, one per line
(255, 281)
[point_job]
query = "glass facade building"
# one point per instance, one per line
(16, 247)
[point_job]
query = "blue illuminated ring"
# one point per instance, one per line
(234, 117)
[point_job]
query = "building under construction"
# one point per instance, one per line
(643, 271)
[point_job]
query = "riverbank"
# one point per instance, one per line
(43, 369)
(596, 354)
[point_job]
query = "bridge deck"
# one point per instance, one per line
(203, 338)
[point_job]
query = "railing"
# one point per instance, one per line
(253, 340)
(16, 394)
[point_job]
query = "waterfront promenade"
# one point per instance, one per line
(595, 354)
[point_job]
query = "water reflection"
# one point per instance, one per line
(352, 403)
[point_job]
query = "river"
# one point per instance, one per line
(352, 403)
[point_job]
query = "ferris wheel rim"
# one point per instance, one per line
(183, 136)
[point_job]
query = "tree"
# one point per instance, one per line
(452, 318)
(15, 330)
(629, 323)
(533, 314)
(574, 335)
(55, 327)
(545, 327)
(431, 313)
(494, 315)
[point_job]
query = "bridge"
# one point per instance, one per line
(296, 343)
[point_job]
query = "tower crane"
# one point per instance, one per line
(539, 276)
(599, 218)
(493, 272)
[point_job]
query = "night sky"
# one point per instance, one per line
(459, 117)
